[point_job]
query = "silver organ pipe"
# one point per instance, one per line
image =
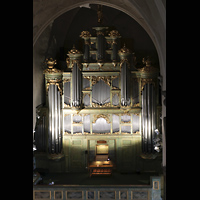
(54, 132)
(148, 117)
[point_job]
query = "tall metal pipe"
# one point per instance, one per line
(52, 120)
(50, 117)
(59, 125)
(56, 119)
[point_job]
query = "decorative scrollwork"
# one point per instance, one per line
(106, 117)
(57, 82)
(96, 105)
(145, 81)
(105, 79)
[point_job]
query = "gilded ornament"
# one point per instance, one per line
(124, 50)
(78, 64)
(145, 81)
(148, 67)
(85, 34)
(74, 50)
(122, 61)
(114, 33)
(66, 105)
(96, 105)
(136, 105)
(106, 117)
(105, 79)
(50, 62)
(57, 82)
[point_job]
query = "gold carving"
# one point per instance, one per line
(101, 133)
(145, 81)
(114, 63)
(114, 33)
(68, 61)
(114, 77)
(50, 63)
(50, 66)
(87, 77)
(124, 50)
(57, 82)
(106, 117)
(105, 79)
(96, 105)
(136, 105)
(85, 64)
(122, 61)
(66, 105)
(126, 114)
(125, 133)
(148, 67)
(78, 64)
(85, 34)
(100, 64)
(74, 50)
(137, 114)
(67, 133)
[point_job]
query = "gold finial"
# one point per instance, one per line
(114, 33)
(124, 49)
(148, 67)
(50, 62)
(146, 61)
(100, 14)
(85, 34)
(73, 50)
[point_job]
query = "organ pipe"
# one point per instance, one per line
(54, 132)
(125, 74)
(75, 58)
(148, 117)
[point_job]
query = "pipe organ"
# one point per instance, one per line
(102, 95)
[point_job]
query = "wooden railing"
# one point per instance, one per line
(99, 192)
